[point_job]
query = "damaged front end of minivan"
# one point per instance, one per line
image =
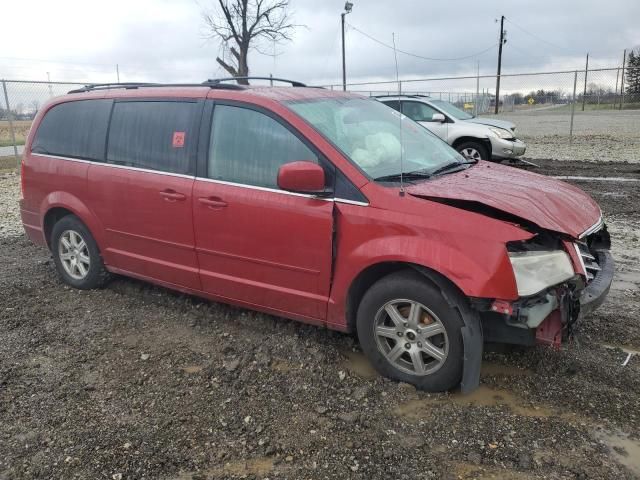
(559, 281)
(562, 271)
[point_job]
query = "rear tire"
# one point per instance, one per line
(410, 332)
(473, 151)
(76, 254)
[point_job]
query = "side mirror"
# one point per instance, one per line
(438, 117)
(301, 177)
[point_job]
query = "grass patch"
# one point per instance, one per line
(21, 130)
(8, 164)
(9, 143)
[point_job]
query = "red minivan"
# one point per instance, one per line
(316, 205)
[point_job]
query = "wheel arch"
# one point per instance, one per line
(53, 216)
(466, 138)
(57, 205)
(371, 274)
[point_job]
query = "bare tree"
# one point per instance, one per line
(243, 24)
(35, 106)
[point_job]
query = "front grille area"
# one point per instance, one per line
(589, 259)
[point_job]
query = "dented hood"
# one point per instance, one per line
(543, 201)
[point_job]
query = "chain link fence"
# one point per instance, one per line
(20, 101)
(567, 115)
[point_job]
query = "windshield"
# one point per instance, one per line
(451, 109)
(375, 137)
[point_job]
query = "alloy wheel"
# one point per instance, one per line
(74, 254)
(471, 153)
(411, 337)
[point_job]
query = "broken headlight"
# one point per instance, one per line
(538, 270)
(501, 132)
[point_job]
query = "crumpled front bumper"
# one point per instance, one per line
(504, 149)
(596, 291)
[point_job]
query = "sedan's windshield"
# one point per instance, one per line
(451, 109)
(376, 137)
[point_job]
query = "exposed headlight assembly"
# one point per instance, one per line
(536, 271)
(501, 132)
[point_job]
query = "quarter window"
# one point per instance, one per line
(156, 135)
(74, 129)
(395, 104)
(248, 147)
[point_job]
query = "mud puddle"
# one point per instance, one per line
(483, 396)
(467, 471)
(257, 467)
(357, 363)
(623, 449)
(625, 349)
(500, 369)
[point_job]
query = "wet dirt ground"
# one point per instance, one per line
(134, 381)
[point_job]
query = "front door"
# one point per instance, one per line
(257, 244)
(423, 114)
(142, 194)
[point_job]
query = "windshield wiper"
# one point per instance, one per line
(451, 167)
(405, 176)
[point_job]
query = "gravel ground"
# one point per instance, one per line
(134, 381)
(601, 135)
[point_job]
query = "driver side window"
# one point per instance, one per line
(248, 147)
(418, 112)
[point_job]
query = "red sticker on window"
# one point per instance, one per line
(178, 139)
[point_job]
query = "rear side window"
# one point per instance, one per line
(156, 135)
(74, 129)
(248, 147)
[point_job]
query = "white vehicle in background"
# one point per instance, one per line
(475, 138)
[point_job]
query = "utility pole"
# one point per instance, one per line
(347, 10)
(584, 93)
(118, 72)
(624, 61)
(502, 41)
(50, 88)
(475, 103)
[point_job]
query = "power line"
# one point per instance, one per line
(523, 52)
(566, 50)
(422, 56)
(535, 36)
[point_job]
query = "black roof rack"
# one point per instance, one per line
(293, 83)
(107, 86)
(211, 83)
(101, 86)
(401, 95)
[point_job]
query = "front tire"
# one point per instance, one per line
(76, 254)
(473, 151)
(410, 332)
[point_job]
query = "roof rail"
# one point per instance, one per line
(401, 95)
(101, 86)
(216, 81)
(132, 85)
(211, 83)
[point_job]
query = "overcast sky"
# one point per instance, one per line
(164, 40)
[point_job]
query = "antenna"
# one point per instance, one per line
(395, 54)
